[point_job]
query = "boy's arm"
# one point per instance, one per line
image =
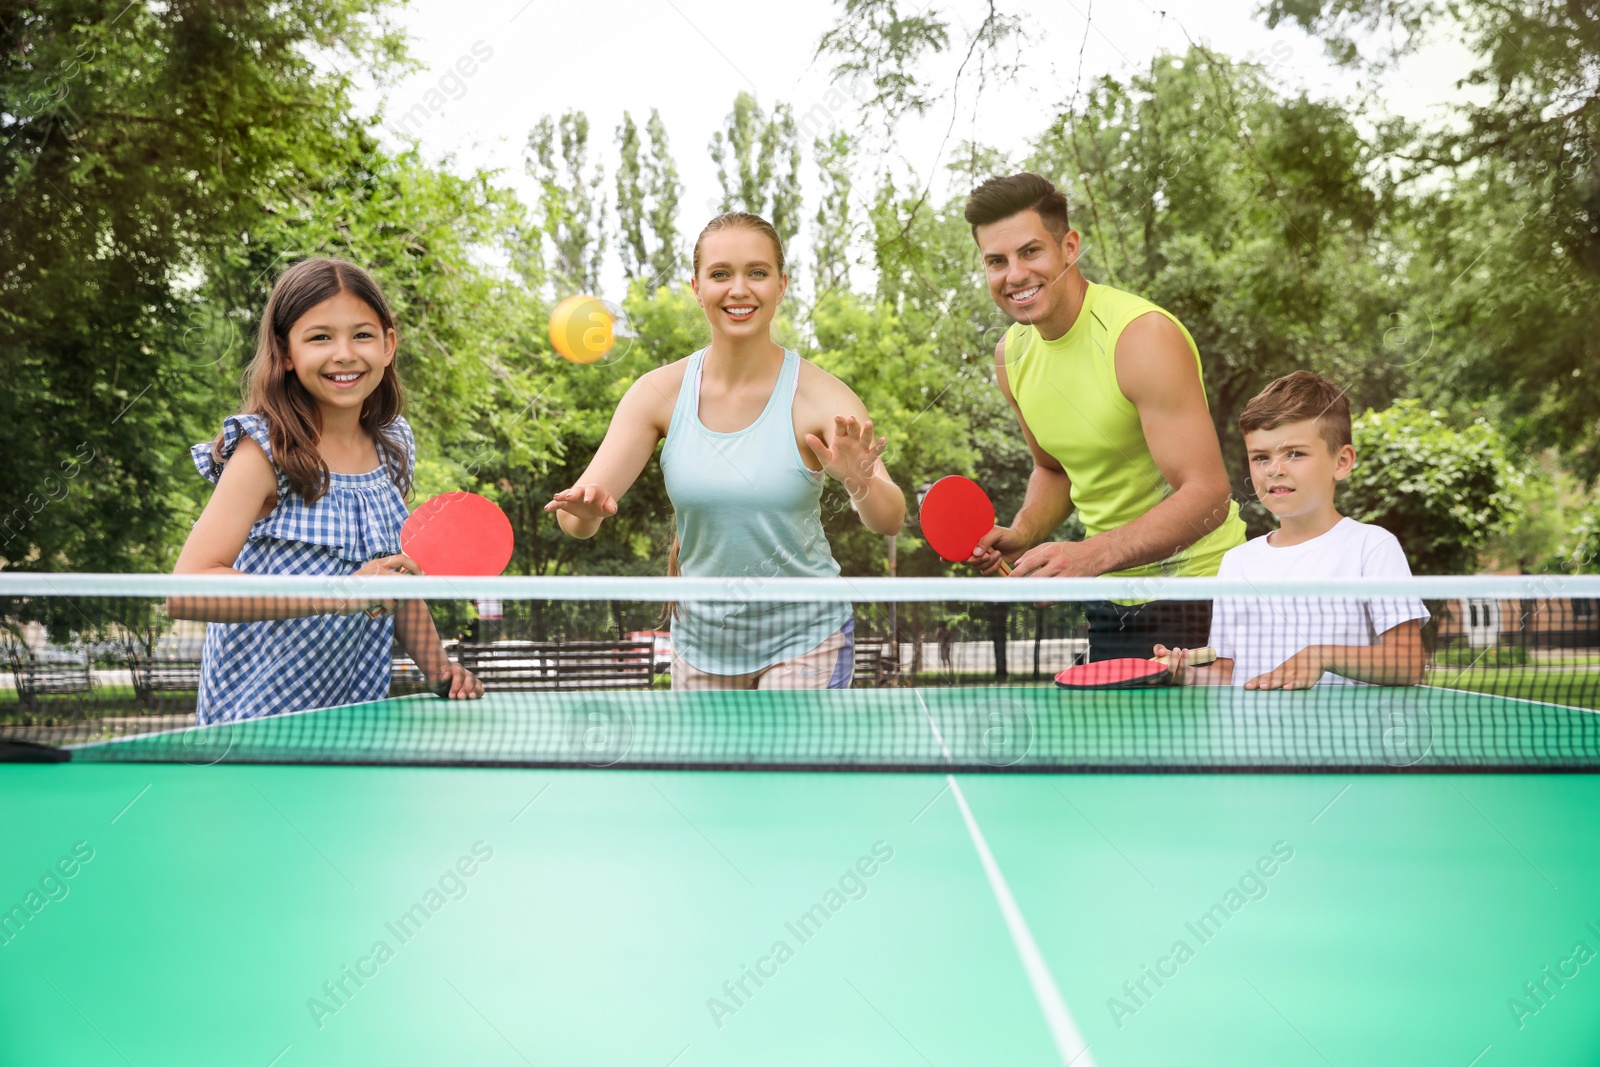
(1397, 659)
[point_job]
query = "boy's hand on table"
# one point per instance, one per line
(1300, 671)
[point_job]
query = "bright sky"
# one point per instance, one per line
(490, 69)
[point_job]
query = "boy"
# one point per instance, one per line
(1297, 437)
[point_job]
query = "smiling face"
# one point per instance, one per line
(739, 283)
(1294, 470)
(1026, 268)
(339, 351)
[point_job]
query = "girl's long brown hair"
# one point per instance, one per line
(272, 391)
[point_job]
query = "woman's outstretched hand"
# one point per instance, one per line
(851, 454)
(583, 502)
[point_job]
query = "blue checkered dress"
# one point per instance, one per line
(263, 668)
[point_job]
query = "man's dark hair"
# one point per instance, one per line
(1000, 198)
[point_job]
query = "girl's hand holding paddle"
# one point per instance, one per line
(382, 567)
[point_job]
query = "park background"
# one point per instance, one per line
(1262, 172)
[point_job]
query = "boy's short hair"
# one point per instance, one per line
(1296, 397)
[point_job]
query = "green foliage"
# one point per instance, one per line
(831, 239)
(1507, 209)
(663, 190)
(877, 42)
(140, 144)
(1582, 548)
(648, 190)
(1548, 502)
(896, 375)
(1442, 491)
(571, 204)
(758, 164)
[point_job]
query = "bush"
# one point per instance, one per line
(1443, 492)
(1582, 548)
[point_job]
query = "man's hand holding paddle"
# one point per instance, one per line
(956, 514)
(1053, 559)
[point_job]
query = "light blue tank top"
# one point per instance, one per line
(747, 508)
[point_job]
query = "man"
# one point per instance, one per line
(1107, 389)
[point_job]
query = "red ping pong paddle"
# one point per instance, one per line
(458, 534)
(1127, 673)
(955, 515)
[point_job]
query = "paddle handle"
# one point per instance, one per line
(1005, 569)
(1198, 657)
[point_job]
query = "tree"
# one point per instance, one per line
(832, 238)
(664, 190)
(571, 204)
(758, 164)
(1514, 181)
(870, 349)
(648, 191)
(140, 145)
(875, 41)
(1582, 550)
(630, 200)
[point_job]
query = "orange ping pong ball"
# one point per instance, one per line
(582, 329)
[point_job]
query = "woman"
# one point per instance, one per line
(751, 432)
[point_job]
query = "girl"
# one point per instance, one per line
(311, 479)
(751, 429)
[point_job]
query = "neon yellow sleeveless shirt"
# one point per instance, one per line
(1067, 390)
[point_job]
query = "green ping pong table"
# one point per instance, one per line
(225, 911)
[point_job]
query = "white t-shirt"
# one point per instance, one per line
(1259, 633)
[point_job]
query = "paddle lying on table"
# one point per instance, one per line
(955, 515)
(1127, 673)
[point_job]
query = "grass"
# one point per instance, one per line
(1577, 688)
(104, 701)
(1463, 656)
